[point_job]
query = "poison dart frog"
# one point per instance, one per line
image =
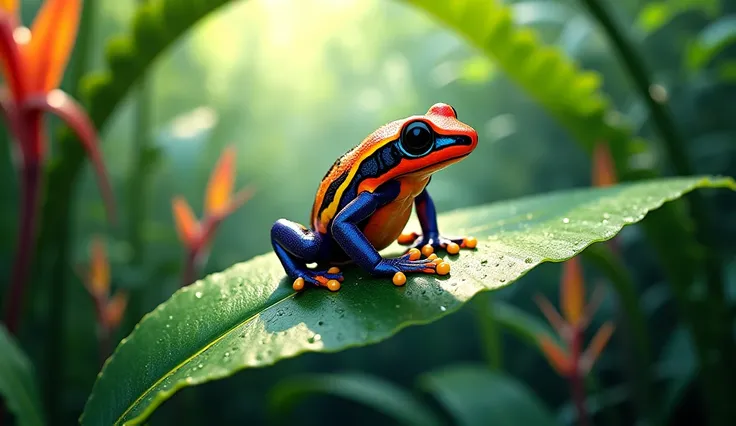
(364, 202)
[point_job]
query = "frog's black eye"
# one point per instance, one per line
(417, 139)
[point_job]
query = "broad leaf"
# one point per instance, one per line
(382, 396)
(570, 94)
(248, 315)
(475, 395)
(17, 382)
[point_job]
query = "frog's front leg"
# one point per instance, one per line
(351, 239)
(295, 246)
(431, 239)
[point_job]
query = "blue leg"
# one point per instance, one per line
(430, 233)
(296, 246)
(346, 233)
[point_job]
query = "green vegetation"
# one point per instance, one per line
(600, 141)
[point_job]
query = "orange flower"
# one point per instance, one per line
(219, 203)
(110, 310)
(570, 328)
(33, 63)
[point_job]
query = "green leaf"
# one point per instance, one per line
(679, 366)
(475, 395)
(382, 396)
(654, 15)
(248, 316)
(713, 40)
(570, 94)
(17, 382)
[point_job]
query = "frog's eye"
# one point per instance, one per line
(417, 139)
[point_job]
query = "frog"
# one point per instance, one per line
(365, 201)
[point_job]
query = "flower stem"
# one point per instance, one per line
(189, 267)
(26, 238)
(576, 378)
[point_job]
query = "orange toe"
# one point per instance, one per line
(399, 279)
(453, 248)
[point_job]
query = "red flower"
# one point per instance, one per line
(219, 204)
(32, 63)
(571, 361)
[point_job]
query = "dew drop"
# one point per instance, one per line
(566, 220)
(171, 317)
(200, 366)
(443, 309)
(198, 295)
(227, 354)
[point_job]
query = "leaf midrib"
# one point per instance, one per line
(206, 347)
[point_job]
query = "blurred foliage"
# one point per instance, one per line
(294, 84)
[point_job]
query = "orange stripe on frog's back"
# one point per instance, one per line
(348, 165)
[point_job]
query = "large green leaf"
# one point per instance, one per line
(382, 396)
(474, 395)
(248, 316)
(544, 72)
(17, 382)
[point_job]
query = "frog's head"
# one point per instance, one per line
(433, 141)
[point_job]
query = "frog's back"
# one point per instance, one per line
(368, 159)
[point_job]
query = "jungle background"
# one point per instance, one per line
(294, 84)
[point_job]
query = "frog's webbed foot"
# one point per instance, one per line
(330, 278)
(410, 263)
(429, 243)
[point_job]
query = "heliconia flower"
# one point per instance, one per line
(109, 310)
(32, 63)
(98, 281)
(557, 357)
(577, 315)
(596, 346)
(114, 310)
(219, 203)
(604, 172)
(572, 291)
(187, 226)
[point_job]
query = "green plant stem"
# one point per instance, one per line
(607, 262)
(490, 330)
(59, 229)
(717, 326)
(137, 200)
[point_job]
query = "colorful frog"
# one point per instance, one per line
(366, 198)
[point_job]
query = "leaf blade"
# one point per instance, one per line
(247, 316)
(379, 394)
(474, 395)
(17, 384)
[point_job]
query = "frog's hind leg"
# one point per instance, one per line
(296, 246)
